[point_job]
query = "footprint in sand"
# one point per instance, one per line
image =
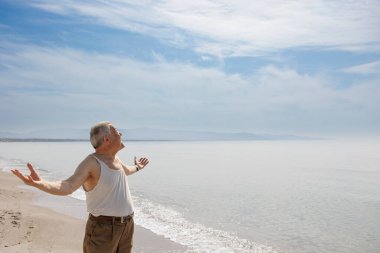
(13, 217)
(2, 216)
(29, 232)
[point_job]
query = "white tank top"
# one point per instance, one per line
(111, 195)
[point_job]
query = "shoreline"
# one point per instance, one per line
(34, 221)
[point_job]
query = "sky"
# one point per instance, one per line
(277, 67)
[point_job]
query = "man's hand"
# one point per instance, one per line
(141, 163)
(31, 179)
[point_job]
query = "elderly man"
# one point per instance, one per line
(103, 176)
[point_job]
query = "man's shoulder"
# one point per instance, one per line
(89, 163)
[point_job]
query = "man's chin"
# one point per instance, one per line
(122, 145)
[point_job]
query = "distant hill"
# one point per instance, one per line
(56, 133)
(160, 134)
(146, 134)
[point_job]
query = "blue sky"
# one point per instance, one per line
(281, 67)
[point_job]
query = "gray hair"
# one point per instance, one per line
(98, 132)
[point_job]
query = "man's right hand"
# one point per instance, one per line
(31, 179)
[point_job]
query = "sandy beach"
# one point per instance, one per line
(31, 221)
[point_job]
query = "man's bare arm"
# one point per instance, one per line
(64, 187)
(139, 165)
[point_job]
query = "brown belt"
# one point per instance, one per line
(113, 219)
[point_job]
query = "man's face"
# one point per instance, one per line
(116, 137)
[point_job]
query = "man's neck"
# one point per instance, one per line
(106, 154)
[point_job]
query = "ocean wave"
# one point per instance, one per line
(170, 223)
(8, 164)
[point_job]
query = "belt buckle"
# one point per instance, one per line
(122, 219)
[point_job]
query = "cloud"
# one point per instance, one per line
(243, 27)
(64, 86)
(364, 69)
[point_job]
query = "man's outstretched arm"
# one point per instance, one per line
(139, 165)
(64, 187)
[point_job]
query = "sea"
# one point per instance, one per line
(301, 196)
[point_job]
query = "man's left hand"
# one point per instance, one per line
(141, 162)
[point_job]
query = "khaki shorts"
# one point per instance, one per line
(108, 236)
